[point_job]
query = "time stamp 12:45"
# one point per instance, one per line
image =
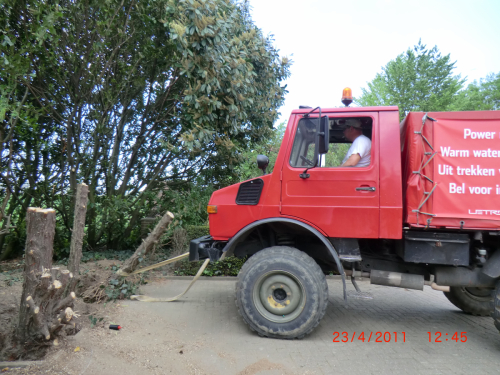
(393, 336)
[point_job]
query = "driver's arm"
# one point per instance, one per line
(352, 161)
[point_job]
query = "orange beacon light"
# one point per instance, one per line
(347, 96)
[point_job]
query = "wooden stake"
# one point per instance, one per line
(75, 252)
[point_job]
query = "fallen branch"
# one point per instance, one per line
(146, 246)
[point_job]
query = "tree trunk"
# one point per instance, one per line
(75, 253)
(43, 312)
(131, 263)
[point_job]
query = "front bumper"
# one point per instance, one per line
(203, 248)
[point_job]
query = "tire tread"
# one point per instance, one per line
(459, 298)
(273, 254)
(495, 305)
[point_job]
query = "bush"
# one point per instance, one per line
(229, 266)
(179, 241)
(196, 231)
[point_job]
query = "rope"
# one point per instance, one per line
(151, 299)
(153, 266)
(143, 298)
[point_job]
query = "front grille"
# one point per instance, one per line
(249, 192)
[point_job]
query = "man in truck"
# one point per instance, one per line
(358, 154)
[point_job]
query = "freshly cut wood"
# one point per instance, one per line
(147, 245)
(41, 302)
(40, 229)
(75, 252)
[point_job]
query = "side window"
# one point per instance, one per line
(303, 144)
(335, 155)
(347, 136)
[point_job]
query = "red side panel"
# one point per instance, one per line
(391, 201)
(452, 169)
(231, 218)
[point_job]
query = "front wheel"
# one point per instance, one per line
(281, 293)
(474, 301)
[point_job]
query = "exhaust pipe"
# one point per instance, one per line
(434, 286)
(396, 279)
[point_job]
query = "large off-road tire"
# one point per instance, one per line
(474, 301)
(281, 293)
(495, 305)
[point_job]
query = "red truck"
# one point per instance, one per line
(425, 211)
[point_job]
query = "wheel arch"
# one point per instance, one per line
(244, 232)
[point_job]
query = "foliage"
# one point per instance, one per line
(419, 79)
(93, 256)
(268, 146)
(180, 238)
(139, 100)
(12, 276)
(336, 154)
(121, 288)
(197, 231)
(229, 266)
(479, 96)
(179, 241)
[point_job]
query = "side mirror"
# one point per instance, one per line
(323, 135)
(262, 162)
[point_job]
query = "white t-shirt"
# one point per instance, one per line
(362, 146)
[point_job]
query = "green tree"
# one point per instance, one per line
(419, 79)
(482, 95)
(268, 146)
(132, 98)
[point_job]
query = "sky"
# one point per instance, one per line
(335, 44)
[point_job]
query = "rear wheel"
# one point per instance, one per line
(474, 301)
(495, 306)
(281, 293)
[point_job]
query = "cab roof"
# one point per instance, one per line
(347, 109)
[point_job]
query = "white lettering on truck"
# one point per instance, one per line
(480, 190)
(447, 151)
(489, 153)
(478, 135)
(484, 212)
(456, 189)
(475, 171)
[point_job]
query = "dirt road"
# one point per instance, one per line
(203, 334)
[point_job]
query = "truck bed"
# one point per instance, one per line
(451, 169)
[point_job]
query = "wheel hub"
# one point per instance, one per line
(279, 296)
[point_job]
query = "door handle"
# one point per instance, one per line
(370, 188)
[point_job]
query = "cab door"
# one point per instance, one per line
(342, 202)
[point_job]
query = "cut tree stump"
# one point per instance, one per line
(131, 263)
(75, 253)
(44, 313)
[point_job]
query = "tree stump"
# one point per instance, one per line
(44, 313)
(75, 253)
(131, 263)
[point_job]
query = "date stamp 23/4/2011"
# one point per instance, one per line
(369, 337)
(395, 336)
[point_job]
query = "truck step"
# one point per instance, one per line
(358, 294)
